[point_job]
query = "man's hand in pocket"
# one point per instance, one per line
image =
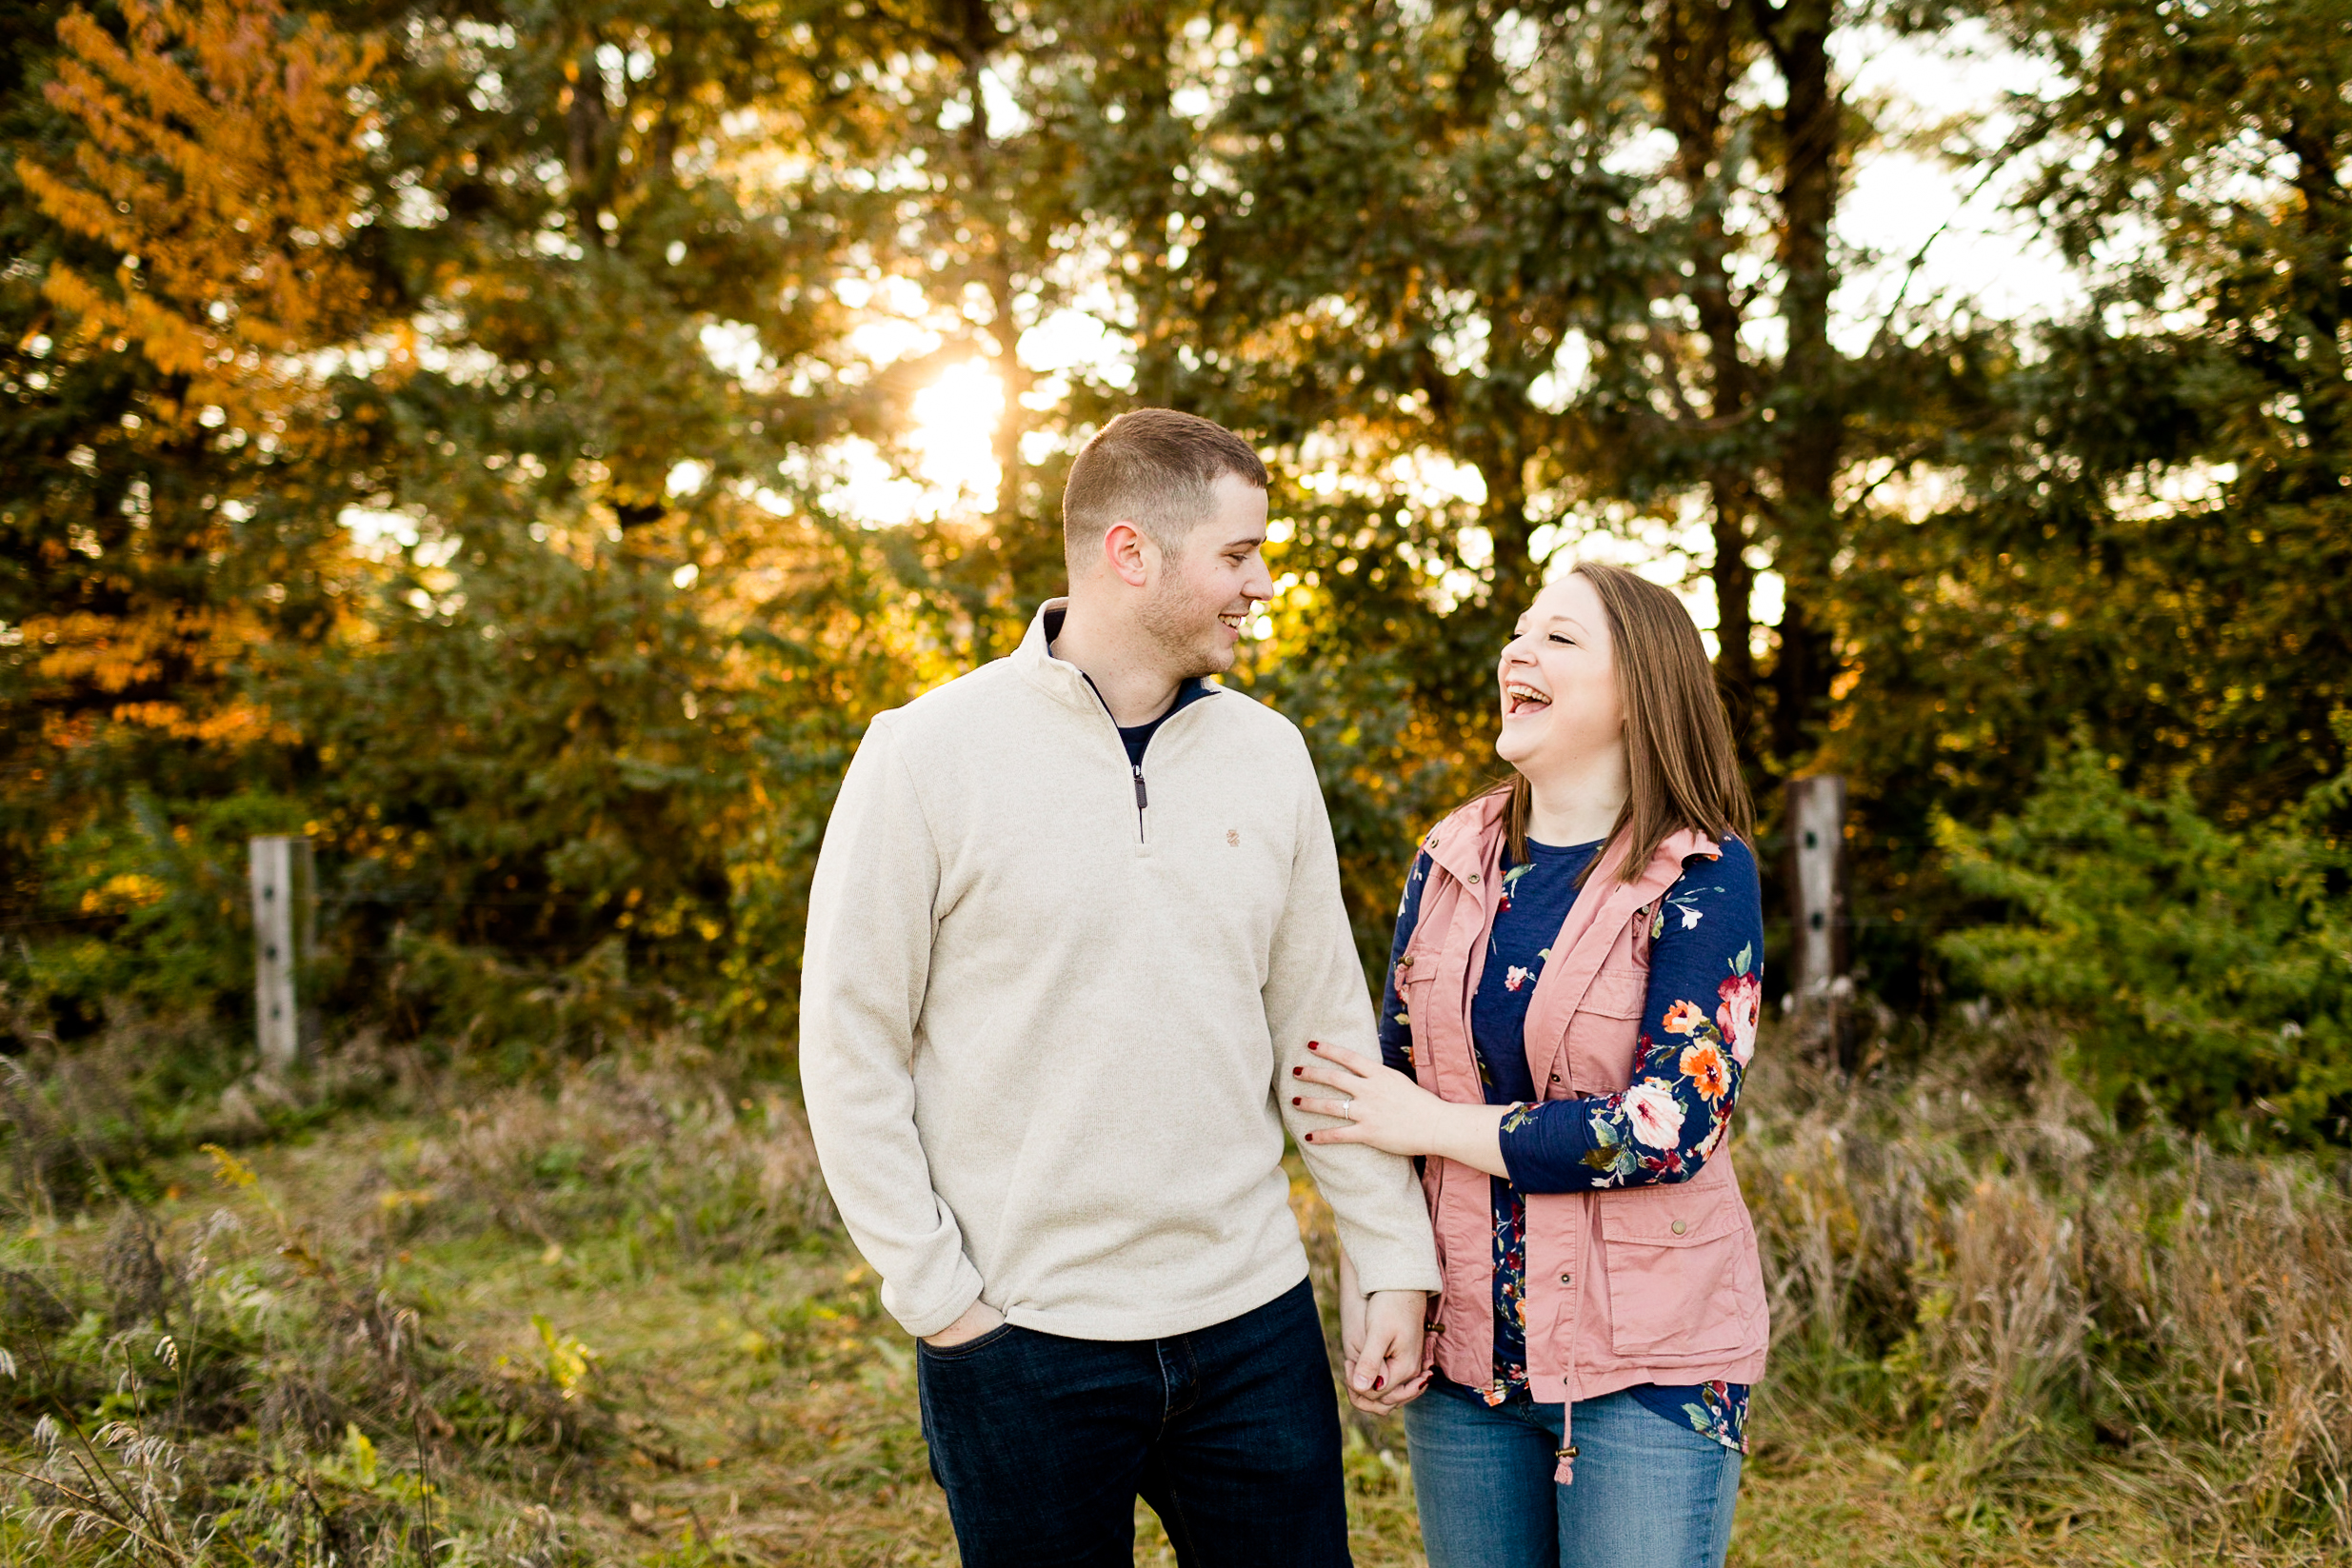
(978, 1319)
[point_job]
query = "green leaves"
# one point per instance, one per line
(2207, 972)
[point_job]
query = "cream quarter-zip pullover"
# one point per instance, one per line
(1050, 1006)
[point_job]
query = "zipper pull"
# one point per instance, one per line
(1141, 801)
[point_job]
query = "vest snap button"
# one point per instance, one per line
(1678, 1227)
(1473, 879)
(1567, 1279)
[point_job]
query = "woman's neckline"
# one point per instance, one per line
(1565, 848)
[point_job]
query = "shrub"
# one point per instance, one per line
(145, 912)
(2204, 973)
(237, 1389)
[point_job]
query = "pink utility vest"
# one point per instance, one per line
(1649, 1284)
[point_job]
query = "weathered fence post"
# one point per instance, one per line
(285, 934)
(1817, 888)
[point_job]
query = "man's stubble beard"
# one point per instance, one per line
(1167, 618)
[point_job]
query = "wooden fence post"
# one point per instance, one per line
(1817, 886)
(284, 935)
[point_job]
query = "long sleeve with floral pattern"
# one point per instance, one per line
(1698, 1023)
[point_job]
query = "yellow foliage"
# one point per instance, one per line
(128, 890)
(219, 151)
(221, 154)
(568, 1359)
(227, 1169)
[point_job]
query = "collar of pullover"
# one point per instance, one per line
(1059, 678)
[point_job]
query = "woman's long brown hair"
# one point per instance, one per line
(1682, 768)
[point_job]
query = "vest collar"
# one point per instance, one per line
(1471, 840)
(1465, 843)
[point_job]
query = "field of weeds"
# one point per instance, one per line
(611, 1320)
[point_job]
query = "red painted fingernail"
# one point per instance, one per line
(1376, 1382)
(1294, 1100)
(1298, 1072)
(1314, 1044)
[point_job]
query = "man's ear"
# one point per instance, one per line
(1130, 555)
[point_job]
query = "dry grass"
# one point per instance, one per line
(608, 1321)
(2021, 1292)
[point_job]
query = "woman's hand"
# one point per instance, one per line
(1386, 1373)
(1389, 1323)
(1381, 1107)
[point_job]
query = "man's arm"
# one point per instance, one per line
(1315, 990)
(863, 977)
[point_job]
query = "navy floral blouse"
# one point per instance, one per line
(1705, 997)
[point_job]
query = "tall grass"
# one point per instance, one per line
(2033, 1311)
(1977, 1262)
(252, 1382)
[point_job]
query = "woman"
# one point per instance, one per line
(1572, 999)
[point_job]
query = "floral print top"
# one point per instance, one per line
(1705, 997)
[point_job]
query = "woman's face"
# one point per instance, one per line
(1558, 679)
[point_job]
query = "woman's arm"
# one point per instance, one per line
(1699, 1030)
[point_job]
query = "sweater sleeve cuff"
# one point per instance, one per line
(1395, 1268)
(937, 1314)
(1425, 1283)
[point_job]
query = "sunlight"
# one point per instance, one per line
(954, 433)
(950, 439)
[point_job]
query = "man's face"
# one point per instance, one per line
(1199, 600)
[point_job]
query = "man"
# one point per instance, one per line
(1076, 918)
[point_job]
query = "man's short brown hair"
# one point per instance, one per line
(1153, 468)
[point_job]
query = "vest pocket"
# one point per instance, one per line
(1415, 993)
(1605, 1033)
(1616, 993)
(1678, 1261)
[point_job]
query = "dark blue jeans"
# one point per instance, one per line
(1230, 1433)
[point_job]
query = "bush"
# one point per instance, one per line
(233, 1391)
(143, 912)
(2203, 973)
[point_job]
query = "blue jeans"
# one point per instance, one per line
(1230, 1433)
(1648, 1493)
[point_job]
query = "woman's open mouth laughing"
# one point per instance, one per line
(1519, 697)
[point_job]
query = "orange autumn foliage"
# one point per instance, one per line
(221, 154)
(229, 182)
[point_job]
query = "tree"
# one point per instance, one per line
(172, 449)
(2139, 545)
(181, 227)
(1487, 279)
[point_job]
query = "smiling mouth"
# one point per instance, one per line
(1237, 620)
(1518, 698)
